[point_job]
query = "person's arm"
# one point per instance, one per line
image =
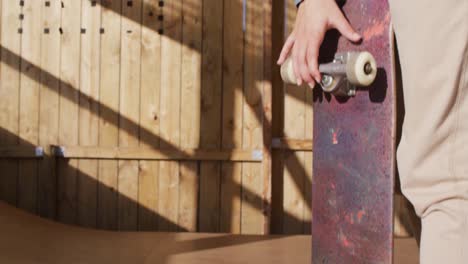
(313, 19)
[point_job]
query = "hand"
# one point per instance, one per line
(313, 19)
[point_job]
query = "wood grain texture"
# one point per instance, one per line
(133, 153)
(89, 111)
(149, 114)
(294, 144)
(9, 114)
(49, 107)
(231, 198)
(29, 102)
(211, 111)
(294, 127)
(190, 102)
(277, 123)
(109, 112)
(68, 112)
(129, 113)
(252, 218)
(232, 108)
(171, 62)
(267, 122)
(21, 152)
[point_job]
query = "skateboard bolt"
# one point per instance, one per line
(368, 68)
(327, 80)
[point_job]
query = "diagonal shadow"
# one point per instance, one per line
(69, 92)
(7, 181)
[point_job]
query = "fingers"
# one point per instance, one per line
(339, 22)
(312, 57)
(300, 63)
(286, 49)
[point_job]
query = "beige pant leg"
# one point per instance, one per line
(432, 37)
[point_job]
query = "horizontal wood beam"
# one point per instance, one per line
(138, 153)
(21, 152)
(292, 144)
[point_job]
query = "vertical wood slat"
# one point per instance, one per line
(233, 47)
(170, 113)
(277, 125)
(190, 111)
(69, 101)
(49, 107)
(29, 102)
(293, 183)
(148, 195)
(267, 126)
(109, 117)
(252, 219)
(210, 117)
(130, 113)
(89, 111)
(9, 110)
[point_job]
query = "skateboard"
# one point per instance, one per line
(354, 141)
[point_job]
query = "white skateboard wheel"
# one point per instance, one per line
(361, 68)
(287, 72)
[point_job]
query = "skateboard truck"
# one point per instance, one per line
(341, 76)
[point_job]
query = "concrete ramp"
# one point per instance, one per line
(25, 238)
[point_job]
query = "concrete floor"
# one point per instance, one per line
(29, 239)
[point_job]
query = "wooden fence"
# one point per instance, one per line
(153, 115)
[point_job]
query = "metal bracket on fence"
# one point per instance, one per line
(257, 155)
(58, 151)
(39, 151)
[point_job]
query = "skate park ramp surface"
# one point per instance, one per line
(26, 238)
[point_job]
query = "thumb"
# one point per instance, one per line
(342, 25)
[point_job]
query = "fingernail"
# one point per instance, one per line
(311, 85)
(356, 36)
(299, 81)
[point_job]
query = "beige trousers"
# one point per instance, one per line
(432, 37)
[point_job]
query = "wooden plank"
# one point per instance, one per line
(267, 105)
(68, 114)
(294, 123)
(210, 118)
(21, 152)
(132, 153)
(49, 107)
(148, 196)
(89, 111)
(293, 144)
(293, 202)
(231, 200)
(9, 88)
(29, 101)
(130, 112)
(149, 114)
(277, 124)
(188, 198)
(252, 219)
(170, 113)
(190, 110)
(109, 112)
(232, 102)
